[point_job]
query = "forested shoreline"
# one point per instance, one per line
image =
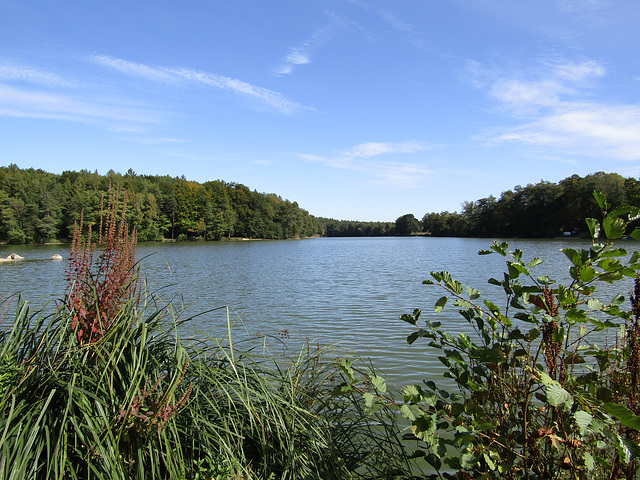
(41, 207)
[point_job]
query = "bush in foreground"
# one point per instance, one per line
(547, 383)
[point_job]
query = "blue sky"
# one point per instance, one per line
(356, 109)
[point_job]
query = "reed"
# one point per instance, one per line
(106, 388)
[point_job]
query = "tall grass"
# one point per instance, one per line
(140, 404)
(105, 388)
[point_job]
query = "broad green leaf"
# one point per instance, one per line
(583, 420)
(613, 227)
(558, 396)
(594, 227)
(526, 317)
(490, 464)
(485, 252)
(379, 383)
(464, 340)
(368, 399)
(595, 304)
(409, 319)
(619, 299)
(455, 286)
(587, 274)
(535, 262)
(624, 415)
(532, 334)
(610, 264)
(589, 463)
(614, 252)
(342, 389)
(473, 293)
(566, 296)
(635, 234)
(545, 280)
(500, 248)
(489, 355)
(345, 366)
(423, 427)
(440, 304)
(601, 198)
(493, 308)
(623, 450)
(573, 256)
(611, 277)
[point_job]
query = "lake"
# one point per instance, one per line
(348, 292)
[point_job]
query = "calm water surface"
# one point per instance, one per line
(345, 291)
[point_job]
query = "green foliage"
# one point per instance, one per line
(407, 224)
(544, 209)
(546, 383)
(37, 207)
(105, 388)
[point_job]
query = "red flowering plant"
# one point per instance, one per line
(102, 284)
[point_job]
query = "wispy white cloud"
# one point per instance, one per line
(186, 77)
(584, 129)
(362, 158)
(11, 72)
(26, 103)
(301, 54)
(556, 103)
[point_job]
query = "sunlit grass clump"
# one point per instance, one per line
(104, 388)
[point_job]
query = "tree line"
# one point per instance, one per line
(544, 209)
(39, 207)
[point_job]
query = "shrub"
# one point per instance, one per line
(541, 394)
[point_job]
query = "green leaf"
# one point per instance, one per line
(601, 198)
(624, 415)
(583, 420)
(489, 355)
(575, 315)
(587, 274)
(558, 396)
(545, 280)
(379, 383)
(526, 317)
(635, 234)
(409, 319)
(594, 227)
(473, 293)
(345, 366)
(368, 399)
(440, 304)
(610, 264)
(595, 304)
(411, 412)
(614, 252)
(485, 252)
(535, 262)
(455, 286)
(573, 256)
(500, 248)
(613, 227)
(493, 308)
(589, 462)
